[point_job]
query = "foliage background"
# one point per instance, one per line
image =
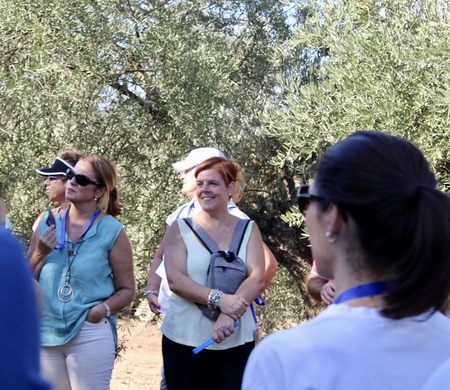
(273, 84)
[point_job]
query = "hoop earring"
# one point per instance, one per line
(330, 238)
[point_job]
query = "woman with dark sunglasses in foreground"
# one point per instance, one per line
(84, 264)
(381, 229)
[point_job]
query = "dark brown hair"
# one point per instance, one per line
(70, 157)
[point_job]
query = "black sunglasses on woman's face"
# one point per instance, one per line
(304, 197)
(81, 180)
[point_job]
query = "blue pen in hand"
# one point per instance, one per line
(208, 342)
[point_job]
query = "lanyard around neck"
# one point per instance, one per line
(62, 237)
(361, 291)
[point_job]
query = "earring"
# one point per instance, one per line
(95, 198)
(330, 238)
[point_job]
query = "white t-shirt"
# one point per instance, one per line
(186, 211)
(234, 210)
(346, 348)
(440, 379)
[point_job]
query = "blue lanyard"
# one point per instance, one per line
(361, 291)
(259, 300)
(62, 237)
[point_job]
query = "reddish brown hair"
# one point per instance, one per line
(226, 168)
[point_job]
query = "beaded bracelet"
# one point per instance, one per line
(213, 298)
(155, 292)
(108, 310)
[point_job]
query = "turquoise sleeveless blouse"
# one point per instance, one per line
(91, 279)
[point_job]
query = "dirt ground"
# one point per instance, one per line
(139, 366)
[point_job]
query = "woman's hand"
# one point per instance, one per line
(40, 248)
(96, 314)
(327, 292)
(223, 328)
(233, 306)
(153, 303)
(47, 241)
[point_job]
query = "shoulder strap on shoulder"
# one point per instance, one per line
(201, 234)
(207, 241)
(238, 236)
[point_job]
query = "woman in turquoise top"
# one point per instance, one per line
(84, 264)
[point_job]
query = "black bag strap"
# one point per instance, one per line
(202, 236)
(207, 241)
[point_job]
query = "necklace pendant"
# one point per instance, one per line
(65, 293)
(72, 252)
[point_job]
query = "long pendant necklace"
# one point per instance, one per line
(66, 292)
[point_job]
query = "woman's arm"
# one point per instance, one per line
(271, 265)
(175, 260)
(121, 259)
(249, 289)
(154, 280)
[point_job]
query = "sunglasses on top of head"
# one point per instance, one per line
(81, 180)
(304, 198)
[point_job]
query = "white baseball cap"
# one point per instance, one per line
(195, 157)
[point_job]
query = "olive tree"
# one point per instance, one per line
(143, 82)
(373, 65)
